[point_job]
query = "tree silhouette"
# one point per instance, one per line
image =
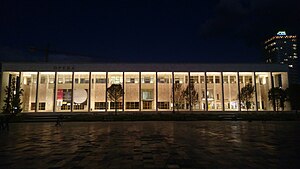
(190, 95)
(278, 96)
(114, 93)
(178, 96)
(246, 95)
(13, 92)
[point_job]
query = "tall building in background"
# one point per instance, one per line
(282, 49)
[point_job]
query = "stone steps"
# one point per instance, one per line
(44, 118)
(229, 117)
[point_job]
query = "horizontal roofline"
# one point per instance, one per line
(131, 67)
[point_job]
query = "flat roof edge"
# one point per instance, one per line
(193, 67)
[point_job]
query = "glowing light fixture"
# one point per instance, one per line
(281, 33)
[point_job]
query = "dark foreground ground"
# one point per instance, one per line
(164, 144)
(153, 116)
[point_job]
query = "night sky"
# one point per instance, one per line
(212, 31)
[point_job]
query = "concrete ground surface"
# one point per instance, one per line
(110, 145)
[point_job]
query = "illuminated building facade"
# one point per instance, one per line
(282, 49)
(50, 87)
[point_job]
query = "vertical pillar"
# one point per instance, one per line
(90, 89)
(106, 81)
(205, 82)
(20, 85)
(55, 92)
(255, 90)
(37, 92)
(1, 86)
(17, 86)
(123, 97)
(229, 91)
(238, 81)
(9, 91)
(20, 74)
(189, 86)
(156, 92)
(222, 85)
(140, 93)
(173, 91)
(215, 93)
(72, 93)
(272, 87)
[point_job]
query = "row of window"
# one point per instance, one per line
(193, 79)
(131, 105)
(42, 106)
(101, 105)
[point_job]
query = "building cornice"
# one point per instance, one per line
(144, 67)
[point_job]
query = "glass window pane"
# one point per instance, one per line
(28, 84)
(181, 100)
(263, 85)
(132, 91)
(148, 91)
(46, 91)
(198, 91)
(115, 78)
(214, 91)
(64, 92)
(81, 91)
(247, 91)
(164, 91)
(230, 86)
(98, 91)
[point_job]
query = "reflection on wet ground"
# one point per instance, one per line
(151, 145)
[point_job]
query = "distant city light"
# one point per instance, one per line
(281, 33)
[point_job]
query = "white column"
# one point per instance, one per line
(140, 89)
(90, 88)
(156, 92)
(206, 101)
(222, 85)
(123, 99)
(173, 92)
(189, 86)
(55, 92)
(238, 81)
(215, 93)
(255, 90)
(106, 81)
(37, 92)
(272, 86)
(72, 94)
(229, 91)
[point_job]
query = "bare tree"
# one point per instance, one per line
(246, 95)
(178, 101)
(114, 93)
(191, 95)
(278, 96)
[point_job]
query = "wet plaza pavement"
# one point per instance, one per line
(202, 144)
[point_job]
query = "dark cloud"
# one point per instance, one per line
(252, 21)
